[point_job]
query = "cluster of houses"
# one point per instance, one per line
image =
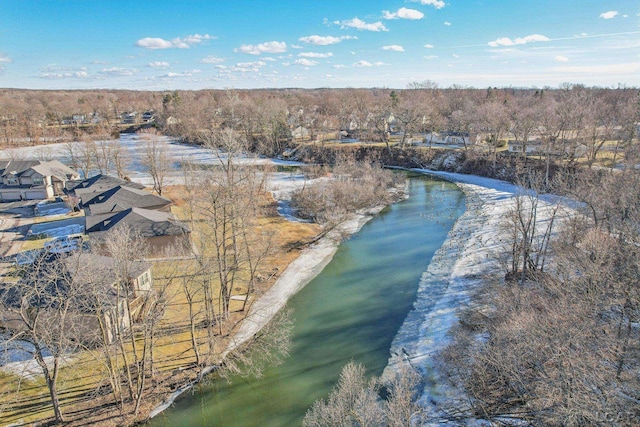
(126, 118)
(132, 117)
(108, 203)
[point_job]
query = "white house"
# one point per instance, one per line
(531, 147)
(448, 138)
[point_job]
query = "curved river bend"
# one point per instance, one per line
(350, 312)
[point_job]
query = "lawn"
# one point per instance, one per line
(83, 383)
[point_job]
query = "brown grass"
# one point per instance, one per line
(83, 386)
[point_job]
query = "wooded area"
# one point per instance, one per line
(559, 339)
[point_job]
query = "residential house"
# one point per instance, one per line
(161, 230)
(100, 288)
(120, 198)
(148, 117)
(129, 118)
(33, 179)
(448, 138)
(110, 202)
(99, 183)
(300, 133)
(531, 147)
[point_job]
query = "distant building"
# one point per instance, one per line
(531, 147)
(129, 118)
(448, 138)
(148, 117)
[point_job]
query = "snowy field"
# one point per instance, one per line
(177, 152)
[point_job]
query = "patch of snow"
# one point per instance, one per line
(468, 257)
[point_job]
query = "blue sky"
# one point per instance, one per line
(161, 45)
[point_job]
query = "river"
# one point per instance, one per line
(350, 312)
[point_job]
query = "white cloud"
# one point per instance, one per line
(211, 60)
(183, 74)
(54, 72)
(115, 71)
(268, 47)
(306, 62)
(609, 15)
(3, 60)
(506, 41)
(72, 75)
(428, 46)
(403, 13)
(447, 23)
(315, 55)
(361, 25)
(177, 43)
(338, 66)
(561, 58)
(455, 56)
(253, 66)
(324, 40)
(393, 47)
(154, 43)
(438, 4)
(362, 64)
(430, 57)
(158, 64)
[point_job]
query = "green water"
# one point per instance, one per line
(350, 312)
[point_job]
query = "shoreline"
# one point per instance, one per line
(296, 276)
(412, 342)
(468, 258)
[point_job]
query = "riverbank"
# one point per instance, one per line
(299, 272)
(473, 253)
(469, 256)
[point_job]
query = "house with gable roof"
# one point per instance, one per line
(111, 202)
(33, 179)
(93, 282)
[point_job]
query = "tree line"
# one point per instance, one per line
(568, 120)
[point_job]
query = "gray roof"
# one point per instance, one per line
(121, 198)
(17, 167)
(79, 268)
(100, 183)
(106, 265)
(52, 168)
(148, 223)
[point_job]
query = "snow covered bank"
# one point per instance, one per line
(468, 257)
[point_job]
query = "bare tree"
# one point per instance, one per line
(127, 250)
(156, 160)
(354, 186)
(43, 309)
